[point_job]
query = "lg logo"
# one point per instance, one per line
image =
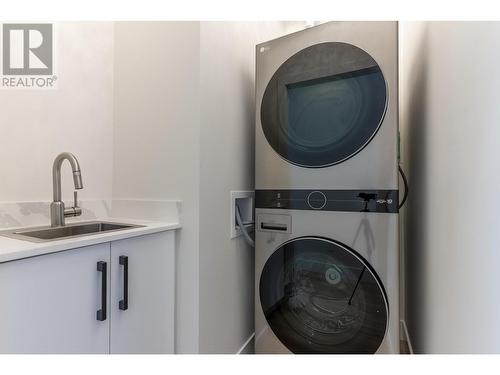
(27, 49)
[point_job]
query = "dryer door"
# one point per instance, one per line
(319, 296)
(323, 105)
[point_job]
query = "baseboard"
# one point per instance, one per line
(248, 346)
(406, 336)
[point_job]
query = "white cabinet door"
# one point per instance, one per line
(146, 325)
(48, 304)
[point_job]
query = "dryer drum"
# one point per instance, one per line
(324, 104)
(308, 312)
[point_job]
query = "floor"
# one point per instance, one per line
(403, 347)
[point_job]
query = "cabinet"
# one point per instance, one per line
(69, 302)
(145, 321)
(48, 304)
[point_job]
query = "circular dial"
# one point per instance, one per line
(316, 200)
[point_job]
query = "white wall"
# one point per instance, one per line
(227, 74)
(451, 141)
(156, 134)
(36, 125)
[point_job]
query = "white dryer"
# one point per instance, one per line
(326, 199)
(326, 282)
(327, 108)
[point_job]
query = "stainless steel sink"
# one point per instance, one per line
(43, 234)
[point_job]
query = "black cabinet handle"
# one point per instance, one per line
(103, 268)
(123, 304)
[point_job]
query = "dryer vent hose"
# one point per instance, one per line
(405, 181)
(243, 229)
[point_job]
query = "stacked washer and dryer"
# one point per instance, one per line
(326, 199)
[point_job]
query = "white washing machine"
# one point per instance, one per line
(326, 199)
(326, 282)
(327, 108)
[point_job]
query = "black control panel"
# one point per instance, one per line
(329, 200)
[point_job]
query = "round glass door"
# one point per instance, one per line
(324, 104)
(318, 296)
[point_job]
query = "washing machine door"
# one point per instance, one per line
(319, 296)
(324, 104)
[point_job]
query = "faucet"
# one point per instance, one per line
(57, 210)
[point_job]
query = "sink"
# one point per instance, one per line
(43, 234)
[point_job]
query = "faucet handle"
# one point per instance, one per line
(75, 210)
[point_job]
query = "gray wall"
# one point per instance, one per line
(156, 140)
(451, 142)
(183, 129)
(38, 124)
(227, 69)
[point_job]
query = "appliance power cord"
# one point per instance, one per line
(405, 181)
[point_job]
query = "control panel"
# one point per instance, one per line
(329, 200)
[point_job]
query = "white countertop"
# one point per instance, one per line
(14, 249)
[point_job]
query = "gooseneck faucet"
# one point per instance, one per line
(57, 210)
